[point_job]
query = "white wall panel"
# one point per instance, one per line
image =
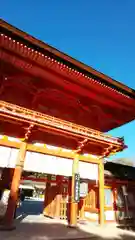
(8, 157)
(13, 158)
(88, 170)
(37, 162)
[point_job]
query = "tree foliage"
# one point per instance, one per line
(124, 161)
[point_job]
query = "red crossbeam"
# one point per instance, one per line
(22, 114)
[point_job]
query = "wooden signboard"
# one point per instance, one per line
(77, 187)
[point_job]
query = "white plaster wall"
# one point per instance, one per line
(38, 162)
(109, 215)
(8, 157)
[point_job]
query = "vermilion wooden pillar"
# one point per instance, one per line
(46, 196)
(101, 193)
(73, 206)
(115, 201)
(58, 197)
(57, 209)
(82, 204)
(15, 185)
(6, 178)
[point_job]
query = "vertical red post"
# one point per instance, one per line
(58, 197)
(115, 201)
(69, 199)
(46, 196)
(82, 205)
(9, 217)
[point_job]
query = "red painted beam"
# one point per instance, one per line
(45, 179)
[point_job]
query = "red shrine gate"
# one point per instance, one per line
(58, 101)
(58, 190)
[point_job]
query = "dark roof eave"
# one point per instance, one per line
(89, 70)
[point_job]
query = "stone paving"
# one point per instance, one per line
(36, 227)
(40, 228)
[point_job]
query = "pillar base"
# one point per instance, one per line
(83, 221)
(72, 225)
(7, 227)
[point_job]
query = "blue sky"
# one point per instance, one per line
(99, 33)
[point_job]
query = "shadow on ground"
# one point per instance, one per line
(53, 231)
(31, 225)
